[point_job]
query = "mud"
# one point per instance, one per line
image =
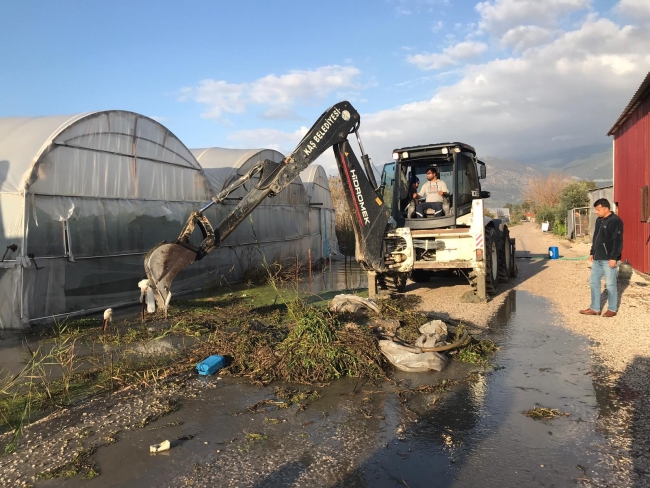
(473, 434)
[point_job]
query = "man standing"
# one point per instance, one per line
(434, 189)
(606, 248)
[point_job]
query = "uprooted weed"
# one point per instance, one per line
(316, 347)
(405, 394)
(404, 310)
(476, 352)
(543, 413)
(284, 398)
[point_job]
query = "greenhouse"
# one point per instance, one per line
(84, 197)
(282, 227)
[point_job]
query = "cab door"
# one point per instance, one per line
(387, 186)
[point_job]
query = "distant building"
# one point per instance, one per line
(632, 176)
(530, 217)
(596, 194)
(500, 213)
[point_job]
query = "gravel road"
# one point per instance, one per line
(620, 346)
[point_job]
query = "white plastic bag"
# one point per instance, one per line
(352, 304)
(410, 359)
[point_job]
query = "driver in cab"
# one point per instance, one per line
(432, 192)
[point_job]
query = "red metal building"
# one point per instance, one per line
(632, 176)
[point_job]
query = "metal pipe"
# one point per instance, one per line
(309, 265)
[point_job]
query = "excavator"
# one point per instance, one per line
(387, 252)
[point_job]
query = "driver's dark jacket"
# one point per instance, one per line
(608, 238)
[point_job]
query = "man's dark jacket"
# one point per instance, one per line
(608, 238)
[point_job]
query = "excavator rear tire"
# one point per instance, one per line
(505, 256)
(491, 262)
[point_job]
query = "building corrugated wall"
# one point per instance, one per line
(631, 173)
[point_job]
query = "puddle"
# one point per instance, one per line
(474, 435)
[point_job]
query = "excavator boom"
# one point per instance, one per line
(166, 260)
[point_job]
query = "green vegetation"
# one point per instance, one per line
(551, 198)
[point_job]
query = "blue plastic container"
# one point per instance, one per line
(553, 253)
(211, 365)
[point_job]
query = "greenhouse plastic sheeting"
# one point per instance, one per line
(88, 195)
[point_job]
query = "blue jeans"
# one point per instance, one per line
(598, 270)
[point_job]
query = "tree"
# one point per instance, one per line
(576, 195)
(545, 190)
(527, 206)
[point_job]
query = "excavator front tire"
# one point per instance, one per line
(393, 283)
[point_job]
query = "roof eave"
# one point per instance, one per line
(641, 93)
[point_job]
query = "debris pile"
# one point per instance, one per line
(352, 338)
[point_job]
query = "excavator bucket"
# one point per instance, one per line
(162, 264)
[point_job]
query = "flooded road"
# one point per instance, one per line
(363, 435)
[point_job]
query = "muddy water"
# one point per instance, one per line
(360, 435)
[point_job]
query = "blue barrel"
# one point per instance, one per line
(211, 365)
(553, 252)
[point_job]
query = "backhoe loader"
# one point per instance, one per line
(390, 244)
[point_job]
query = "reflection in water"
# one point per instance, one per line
(343, 275)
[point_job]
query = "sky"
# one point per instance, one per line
(513, 78)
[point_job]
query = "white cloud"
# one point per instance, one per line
(272, 90)
(500, 16)
(561, 94)
(526, 36)
(635, 9)
(276, 113)
(284, 142)
(449, 55)
(219, 96)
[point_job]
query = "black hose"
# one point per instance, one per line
(446, 347)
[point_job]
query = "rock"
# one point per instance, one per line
(470, 297)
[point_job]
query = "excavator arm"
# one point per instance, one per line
(166, 260)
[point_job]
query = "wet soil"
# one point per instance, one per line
(474, 434)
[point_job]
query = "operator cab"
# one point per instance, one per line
(456, 165)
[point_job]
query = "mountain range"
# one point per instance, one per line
(507, 177)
